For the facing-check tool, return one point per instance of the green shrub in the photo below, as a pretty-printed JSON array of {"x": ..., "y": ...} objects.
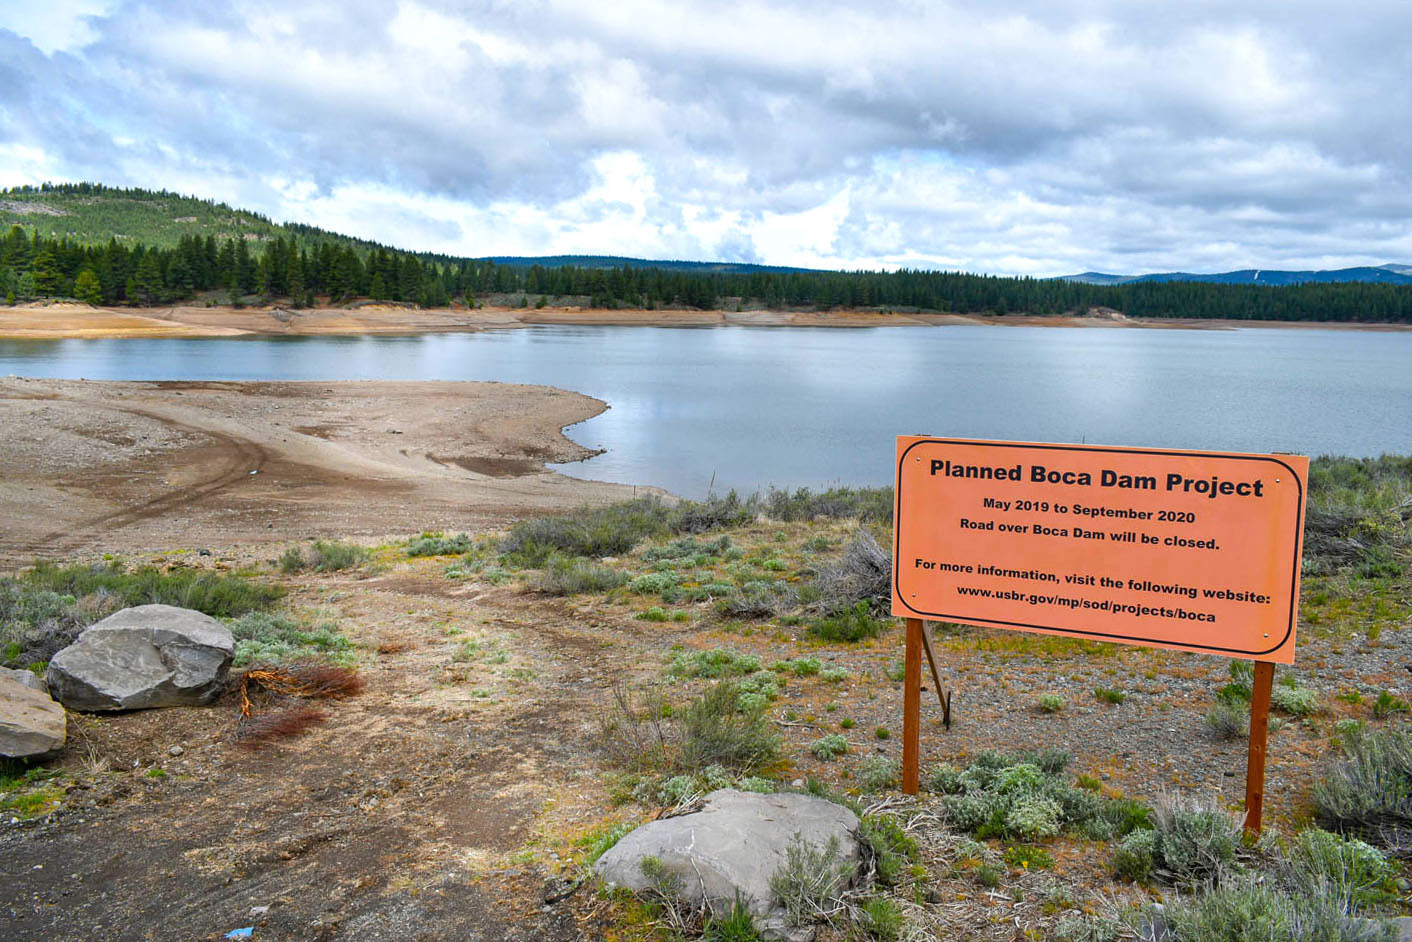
[
  {"x": 1027, "y": 857},
  {"x": 1032, "y": 817},
  {"x": 603, "y": 531},
  {"x": 222, "y": 595},
  {"x": 1050, "y": 703},
  {"x": 944, "y": 779},
  {"x": 1196, "y": 846},
  {"x": 601, "y": 840},
  {"x": 1297, "y": 701},
  {"x": 892, "y": 848},
  {"x": 1386, "y": 704},
  {"x": 758, "y": 598},
  {"x": 266, "y": 638},
  {"x": 879, "y": 773},
  {"x": 1369, "y": 791},
  {"x": 1228, "y": 719},
  {"x": 1023, "y": 797},
  {"x": 1051, "y": 761},
  {"x": 1249, "y": 910},
  {"x": 717, "y": 662},
  {"x": 708, "y": 592},
  {"x": 986, "y": 875},
  {"x": 575, "y": 576},
  {"x": 654, "y": 583},
  {"x": 323, "y": 556},
  {"x": 800, "y": 666},
  {"x": 1136, "y": 857},
  {"x": 854, "y": 624},
  {"x": 829, "y": 746},
  {"x": 617, "y": 528},
  {"x": 437, "y": 544},
  {"x": 1075, "y": 927},
  {"x": 868, "y": 504},
  {"x": 881, "y": 919},
  {"x": 738, "y": 925},
  {"x": 1125, "y": 815},
  {"x": 655, "y": 613},
  {"x": 716, "y": 731},
  {"x": 1356, "y": 873},
  {"x": 833, "y": 675},
  {"x": 758, "y": 690},
  {"x": 698, "y": 552},
  {"x": 1108, "y": 695},
  {"x": 810, "y": 880}
]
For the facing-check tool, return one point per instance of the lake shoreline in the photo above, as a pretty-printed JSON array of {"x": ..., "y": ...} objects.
[
  {"x": 71, "y": 320},
  {"x": 122, "y": 466}
]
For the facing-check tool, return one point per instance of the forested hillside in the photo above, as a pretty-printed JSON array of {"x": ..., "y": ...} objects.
[{"x": 107, "y": 246}]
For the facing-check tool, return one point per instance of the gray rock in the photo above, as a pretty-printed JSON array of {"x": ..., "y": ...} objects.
[
  {"x": 148, "y": 656},
  {"x": 731, "y": 848},
  {"x": 31, "y": 723},
  {"x": 1403, "y": 925},
  {"x": 29, "y": 678}
]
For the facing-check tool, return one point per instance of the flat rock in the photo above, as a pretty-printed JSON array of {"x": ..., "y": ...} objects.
[
  {"x": 31, "y": 723},
  {"x": 147, "y": 656},
  {"x": 731, "y": 848},
  {"x": 29, "y": 678}
]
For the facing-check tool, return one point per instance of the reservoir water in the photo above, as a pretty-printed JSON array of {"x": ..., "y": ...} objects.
[{"x": 746, "y": 408}]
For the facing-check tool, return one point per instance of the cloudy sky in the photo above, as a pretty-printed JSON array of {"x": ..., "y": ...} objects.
[{"x": 997, "y": 136}]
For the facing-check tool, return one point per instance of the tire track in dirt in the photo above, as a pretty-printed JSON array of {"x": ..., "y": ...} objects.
[{"x": 237, "y": 457}]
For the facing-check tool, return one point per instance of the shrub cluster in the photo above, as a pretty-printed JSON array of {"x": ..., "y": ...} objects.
[
  {"x": 263, "y": 637},
  {"x": 617, "y": 528},
  {"x": 43, "y": 609},
  {"x": 867, "y": 504},
  {"x": 717, "y": 662},
  {"x": 564, "y": 575},
  {"x": 222, "y": 595},
  {"x": 438, "y": 544},
  {"x": 1190, "y": 846},
  {"x": 1026, "y": 797},
  {"x": 1369, "y": 791},
  {"x": 323, "y": 556},
  {"x": 725, "y": 726},
  {"x": 850, "y": 625}
]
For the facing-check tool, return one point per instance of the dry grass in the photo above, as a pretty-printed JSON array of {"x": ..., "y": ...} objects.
[{"x": 255, "y": 733}]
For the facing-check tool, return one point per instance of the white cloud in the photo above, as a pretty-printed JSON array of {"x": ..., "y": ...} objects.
[{"x": 994, "y": 136}]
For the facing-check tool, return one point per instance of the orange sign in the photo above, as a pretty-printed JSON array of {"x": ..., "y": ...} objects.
[{"x": 1198, "y": 551}]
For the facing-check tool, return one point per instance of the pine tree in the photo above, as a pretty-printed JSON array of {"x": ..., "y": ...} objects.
[{"x": 87, "y": 288}]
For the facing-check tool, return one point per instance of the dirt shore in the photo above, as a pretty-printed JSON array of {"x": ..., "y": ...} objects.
[
  {"x": 92, "y": 467},
  {"x": 61, "y": 320}
]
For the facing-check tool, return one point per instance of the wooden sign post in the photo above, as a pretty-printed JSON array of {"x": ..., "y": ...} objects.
[{"x": 1192, "y": 551}]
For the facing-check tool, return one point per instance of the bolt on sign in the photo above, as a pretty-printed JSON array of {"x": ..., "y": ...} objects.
[
  {"x": 1190, "y": 550},
  {"x": 1197, "y": 551}
]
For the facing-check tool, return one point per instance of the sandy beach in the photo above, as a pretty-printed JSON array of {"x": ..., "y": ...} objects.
[
  {"x": 62, "y": 320},
  {"x": 92, "y": 467}
]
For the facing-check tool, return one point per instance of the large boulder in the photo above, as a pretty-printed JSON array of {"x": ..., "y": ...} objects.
[
  {"x": 31, "y": 723},
  {"x": 29, "y": 678},
  {"x": 147, "y": 656},
  {"x": 731, "y": 848}
]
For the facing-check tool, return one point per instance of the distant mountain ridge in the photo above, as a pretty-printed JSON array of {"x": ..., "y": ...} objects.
[{"x": 1383, "y": 274}]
